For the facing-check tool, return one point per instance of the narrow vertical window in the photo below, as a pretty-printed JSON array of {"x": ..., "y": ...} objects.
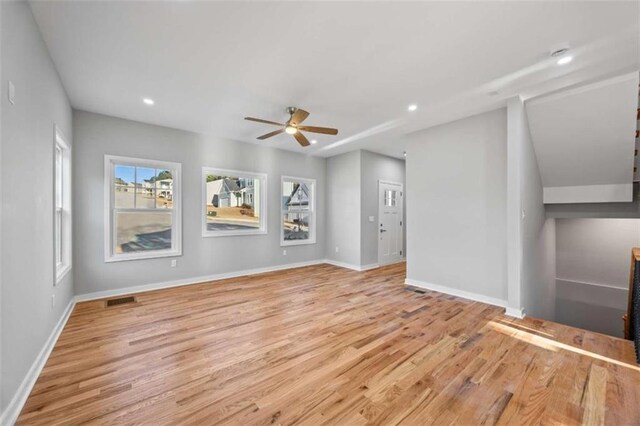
[
  {"x": 298, "y": 211},
  {"x": 62, "y": 206}
]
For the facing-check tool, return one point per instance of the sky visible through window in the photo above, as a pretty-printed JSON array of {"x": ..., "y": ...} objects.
[{"x": 127, "y": 173}]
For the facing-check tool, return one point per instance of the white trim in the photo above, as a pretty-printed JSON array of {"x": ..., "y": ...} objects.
[
  {"x": 312, "y": 212},
  {"x": 176, "y": 250},
  {"x": 194, "y": 280},
  {"x": 516, "y": 128},
  {"x": 513, "y": 312},
  {"x": 351, "y": 266},
  {"x": 616, "y": 193},
  {"x": 62, "y": 273},
  {"x": 10, "y": 415},
  {"x": 604, "y": 295},
  {"x": 262, "y": 230},
  {"x": 370, "y": 266},
  {"x": 66, "y": 219},
  {"x": 607, "y": 286},
  {"x": 456, "y": 292}
]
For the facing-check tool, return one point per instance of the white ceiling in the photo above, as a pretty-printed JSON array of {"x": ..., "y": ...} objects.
[
  {"x": 354, "y": 65},
  {"x": 585, "y": 137}
]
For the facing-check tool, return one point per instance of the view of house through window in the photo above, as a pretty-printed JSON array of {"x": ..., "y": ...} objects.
[
  {"x": 233, "y": 202},
  {"x": 143, "y": 208},
  {"x": 297, "y": 211}
]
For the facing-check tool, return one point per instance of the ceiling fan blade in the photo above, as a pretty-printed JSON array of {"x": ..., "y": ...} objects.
[
  {"x": 323, "y": 130},
  {"x": 299, "y": 116},
  {"x": 259, "y": 120},
  {"x": 302, "y": 140},
  {"x": 268, "y": 135}
]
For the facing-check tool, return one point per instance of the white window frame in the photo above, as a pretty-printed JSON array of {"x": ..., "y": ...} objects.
[
  {"x": 262, "y": 230},
  {"x": 109, "y": 219},
  {"x": 62, "y": 232},
  {"x": 312, "y": 211}
]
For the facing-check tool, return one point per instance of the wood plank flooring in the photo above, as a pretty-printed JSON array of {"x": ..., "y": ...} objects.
[{"x": 325, "y": 345}]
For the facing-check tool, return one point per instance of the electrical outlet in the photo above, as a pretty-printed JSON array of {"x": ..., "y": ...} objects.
[
  {"x": 174, "y": 263},
  {"x": 337, "y": 249},
  {"x": 284, "y": 252}
]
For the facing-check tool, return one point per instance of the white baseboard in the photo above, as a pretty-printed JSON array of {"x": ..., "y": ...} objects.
[
  {"x": 369, "y": 267},
  {"x": 188, "y": 281},
  {"x": 514, "y": 312},
  {"x": 351, "y": 266},
  {"x": 456, "y": 292},
  {"x": 12, "y": 412}
]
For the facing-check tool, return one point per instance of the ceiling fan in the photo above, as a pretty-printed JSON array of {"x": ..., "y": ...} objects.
[{"x": 293, "y": 127}]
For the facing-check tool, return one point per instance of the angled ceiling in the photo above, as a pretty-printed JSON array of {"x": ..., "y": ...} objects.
[
  {"x": 584, "y": 140},
  {"x": 354, "y": 65}
]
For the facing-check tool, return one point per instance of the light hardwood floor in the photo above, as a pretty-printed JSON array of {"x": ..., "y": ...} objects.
[{"x": 325, "y": 345}]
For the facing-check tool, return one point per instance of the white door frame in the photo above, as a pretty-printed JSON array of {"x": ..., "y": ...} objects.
[{"x": 379, "y": 222}]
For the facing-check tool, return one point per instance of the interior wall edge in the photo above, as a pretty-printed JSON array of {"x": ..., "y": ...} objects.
[{"x": 10, "y": 415}]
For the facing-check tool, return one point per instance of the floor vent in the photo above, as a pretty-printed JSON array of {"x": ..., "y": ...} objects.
[
  {"x": 120, "y": 301},
  {"x": 416, "y": 290}
]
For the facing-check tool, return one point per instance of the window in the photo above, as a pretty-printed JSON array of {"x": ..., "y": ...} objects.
[
  {"x": 390, "y": 198},
  {"x": 62, "y": 206},
  {"x": 234, "y": 203},
  {"x": 143, "y": 204},
  {"x": 298, "y": 211}
]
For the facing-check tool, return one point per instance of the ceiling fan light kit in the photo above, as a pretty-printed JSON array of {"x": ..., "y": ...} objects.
[{"x": 293, "y": 127}]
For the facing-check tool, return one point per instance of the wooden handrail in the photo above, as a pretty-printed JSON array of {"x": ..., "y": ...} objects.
[{"x": 635, "y": 260}]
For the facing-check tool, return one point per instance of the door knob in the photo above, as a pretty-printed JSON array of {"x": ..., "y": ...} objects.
[{"x": 383, "y": 230}]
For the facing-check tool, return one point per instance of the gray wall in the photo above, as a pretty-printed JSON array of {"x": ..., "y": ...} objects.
[
  {"x": 97, "y": 135},
  {"x": 343, "y": 208},
  {"x": 375, "y": 167},
  {"x": 27, "y": 270},
  {"x": 538, "y": 283},
  {"x": 593, "y": 258},
  {"x": 456, "y": 209}
]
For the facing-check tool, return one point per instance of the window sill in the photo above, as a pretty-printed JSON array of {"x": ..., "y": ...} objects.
[
  {"x": 216, "y": 234},
  {"x": 137, "y": 256},
  {"x": 297, "y": 242},
  {"x": 62, "y": 273}
]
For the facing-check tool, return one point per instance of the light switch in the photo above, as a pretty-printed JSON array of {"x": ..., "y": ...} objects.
[{"x": 371, "y": 218}]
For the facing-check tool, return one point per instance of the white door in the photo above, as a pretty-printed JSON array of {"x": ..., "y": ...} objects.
[{"x": 389, "y": 222}]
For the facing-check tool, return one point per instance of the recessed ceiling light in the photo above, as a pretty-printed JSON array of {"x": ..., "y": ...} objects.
[
  {"x": 565, "y": 60},
  {"x": 290, "y": 129},
  {"x": 148, "y": 101},
  {"x": 412, "y": 107},
  {"x": 314, "y": 141}
]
